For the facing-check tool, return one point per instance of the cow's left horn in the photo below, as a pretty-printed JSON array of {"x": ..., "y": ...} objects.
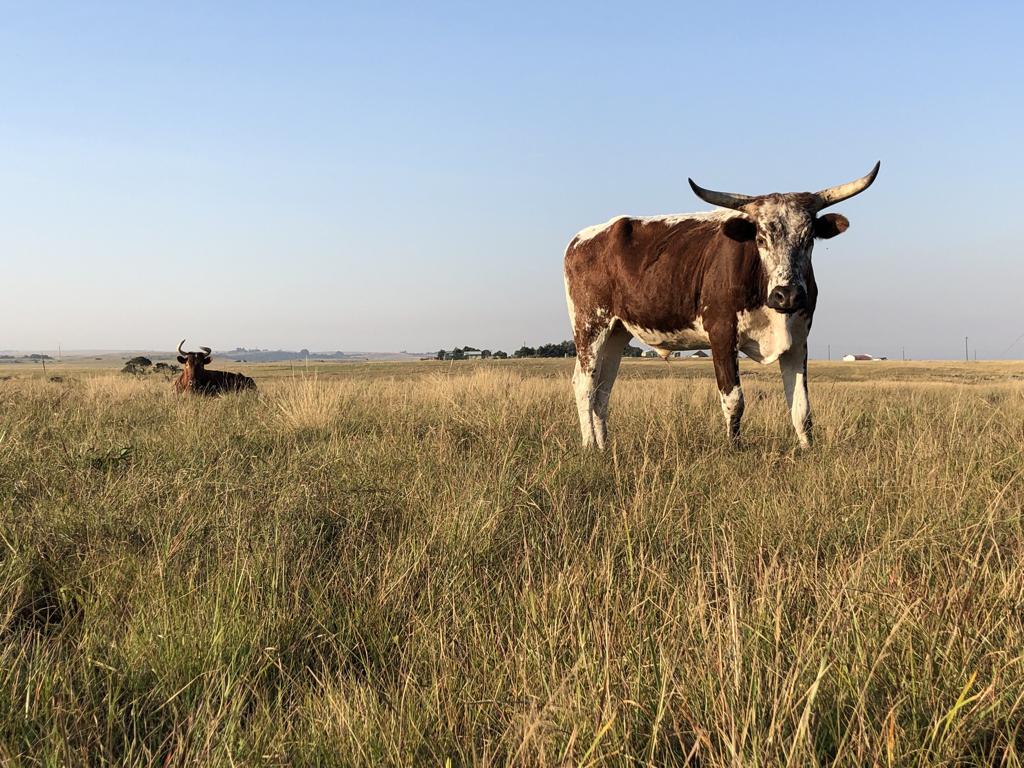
[
  {"x": 180, "y": 345},
  {"x": 207, "y": 350},
  {"x": 834, "y": 195},
  {"x": 724, "y": 199}
]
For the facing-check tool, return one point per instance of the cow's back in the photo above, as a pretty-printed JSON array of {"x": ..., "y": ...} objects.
[{"x": 226, "y": 381}]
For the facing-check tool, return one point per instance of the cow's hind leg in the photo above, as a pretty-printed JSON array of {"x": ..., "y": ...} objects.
[
  {"x": 609, "y": 359},
  {"x": 584, "y": 384},
  {"x": 597, "y": 364},
  {"x": 585, "y": 381}
]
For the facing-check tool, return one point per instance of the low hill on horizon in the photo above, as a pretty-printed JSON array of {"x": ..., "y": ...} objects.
[{"x": 238, "y": 353}]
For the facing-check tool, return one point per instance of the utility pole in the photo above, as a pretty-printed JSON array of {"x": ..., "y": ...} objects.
[
  {"x": 966, "y": 356},
  {"x": 903, "y": 353},
  {"x": 829, "y": 351}
]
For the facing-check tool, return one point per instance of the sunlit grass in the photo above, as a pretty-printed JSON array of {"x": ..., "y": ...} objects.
[
  {"x": 307, "y": 403},
  {"x": 409, "y": 565}
]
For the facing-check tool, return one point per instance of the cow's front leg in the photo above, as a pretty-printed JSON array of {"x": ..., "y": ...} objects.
[
  {"x": 730, "y": 394},
  {"x": 793, "y": 365}
]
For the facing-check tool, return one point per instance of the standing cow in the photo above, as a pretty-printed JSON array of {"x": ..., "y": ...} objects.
[
  {"x": 195, "y": 378},
  {"x": 737, "y": 278}
]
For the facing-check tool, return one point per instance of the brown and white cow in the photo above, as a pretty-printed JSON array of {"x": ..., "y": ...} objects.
[
  {"x": 195, "y": 378},
  {"x": 734, "y": 279}
]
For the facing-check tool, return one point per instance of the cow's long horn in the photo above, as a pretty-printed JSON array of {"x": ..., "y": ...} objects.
[
  {"x": 834, "y": 195},
  {"x": 207, "y": 350},
  {"x": 724, "y": 199},
  {"x": 180, "y": 345}
]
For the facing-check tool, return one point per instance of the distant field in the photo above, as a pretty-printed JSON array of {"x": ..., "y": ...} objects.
[
  {"x": 411, "y": 563},
  {"x": 888, "y": 370}
]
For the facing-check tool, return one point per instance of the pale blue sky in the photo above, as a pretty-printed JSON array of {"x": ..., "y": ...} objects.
[{"x": 382, "y": 176}]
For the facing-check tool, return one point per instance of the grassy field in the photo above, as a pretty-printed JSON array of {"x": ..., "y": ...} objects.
[{"x": 415, "y": 563}]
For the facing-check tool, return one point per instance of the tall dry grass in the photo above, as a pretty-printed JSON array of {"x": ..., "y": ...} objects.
[{"x": 422, "y": 568}]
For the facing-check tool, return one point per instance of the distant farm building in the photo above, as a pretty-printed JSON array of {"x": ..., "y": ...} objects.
[
  {"x": 861, "y": 358},
  {"x": 677, "y": 355},
  {"x": 700, "y": 354}
]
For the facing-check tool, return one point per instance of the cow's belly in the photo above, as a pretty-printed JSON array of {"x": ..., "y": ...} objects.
[
  {"x": 764, "y": 334},
  {"x": 694, "y": 337}
]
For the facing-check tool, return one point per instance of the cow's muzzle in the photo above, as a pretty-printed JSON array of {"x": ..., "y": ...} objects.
[{"x": 787, "y": 298}]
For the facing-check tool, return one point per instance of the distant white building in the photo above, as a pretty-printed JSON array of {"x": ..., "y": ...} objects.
[
  {"x": 472, "y": 354},
  {"x": 679, "y": 355},
  {"x": 861, "y": 358}
]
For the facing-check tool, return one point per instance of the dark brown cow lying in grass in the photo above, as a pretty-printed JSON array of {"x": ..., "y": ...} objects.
[{"x": 195, "y": 378}]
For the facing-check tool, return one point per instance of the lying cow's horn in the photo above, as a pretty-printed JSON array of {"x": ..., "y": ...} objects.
[
  {"x": 834, "y": 195},
  {"x": 207, "y": 350},
  {"x": 180, "y": 345},
  {"x": 724, "y": 199}
]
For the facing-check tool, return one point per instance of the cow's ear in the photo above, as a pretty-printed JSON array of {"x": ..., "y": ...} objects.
[
  {"x": 739, "y": 228},
  {"x": 206, "y": 361},
  {"x": 181, "y": 359},
  {"x": 830, "y": 225}
]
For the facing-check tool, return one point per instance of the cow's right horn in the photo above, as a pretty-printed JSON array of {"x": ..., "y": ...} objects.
[
  {"x": 723, "y": 199},
  {"x": 180, "y": 345}
]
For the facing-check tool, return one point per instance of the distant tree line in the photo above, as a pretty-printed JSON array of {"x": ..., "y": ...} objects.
[
  {"x": 34, "y": 356},
  {"x": 560, "y": 349},
  {"x": 140, "y": 366},
  {"x": 463, "y": 353}
]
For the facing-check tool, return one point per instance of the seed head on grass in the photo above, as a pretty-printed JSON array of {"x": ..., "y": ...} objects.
[{"x": 307, "y": 402}]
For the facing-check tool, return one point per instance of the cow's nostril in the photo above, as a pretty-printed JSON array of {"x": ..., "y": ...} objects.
[{"x": 787, "y": 298}]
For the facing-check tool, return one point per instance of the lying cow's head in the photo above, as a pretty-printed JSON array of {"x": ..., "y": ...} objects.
[
  {"x": 784, "y": 227},
  {"x": 193, "y": 361}
]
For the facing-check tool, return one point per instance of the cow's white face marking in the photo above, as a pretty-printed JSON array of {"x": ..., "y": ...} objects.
[{"x": 785, "y": 239}]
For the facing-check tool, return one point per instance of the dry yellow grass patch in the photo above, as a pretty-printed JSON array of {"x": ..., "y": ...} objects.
[{"x": 413, "y": 565}]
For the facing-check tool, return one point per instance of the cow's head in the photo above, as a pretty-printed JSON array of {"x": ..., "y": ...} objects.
[
  {"x": 784, "y": 227},
  {"x": 193, "y": 361}
]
